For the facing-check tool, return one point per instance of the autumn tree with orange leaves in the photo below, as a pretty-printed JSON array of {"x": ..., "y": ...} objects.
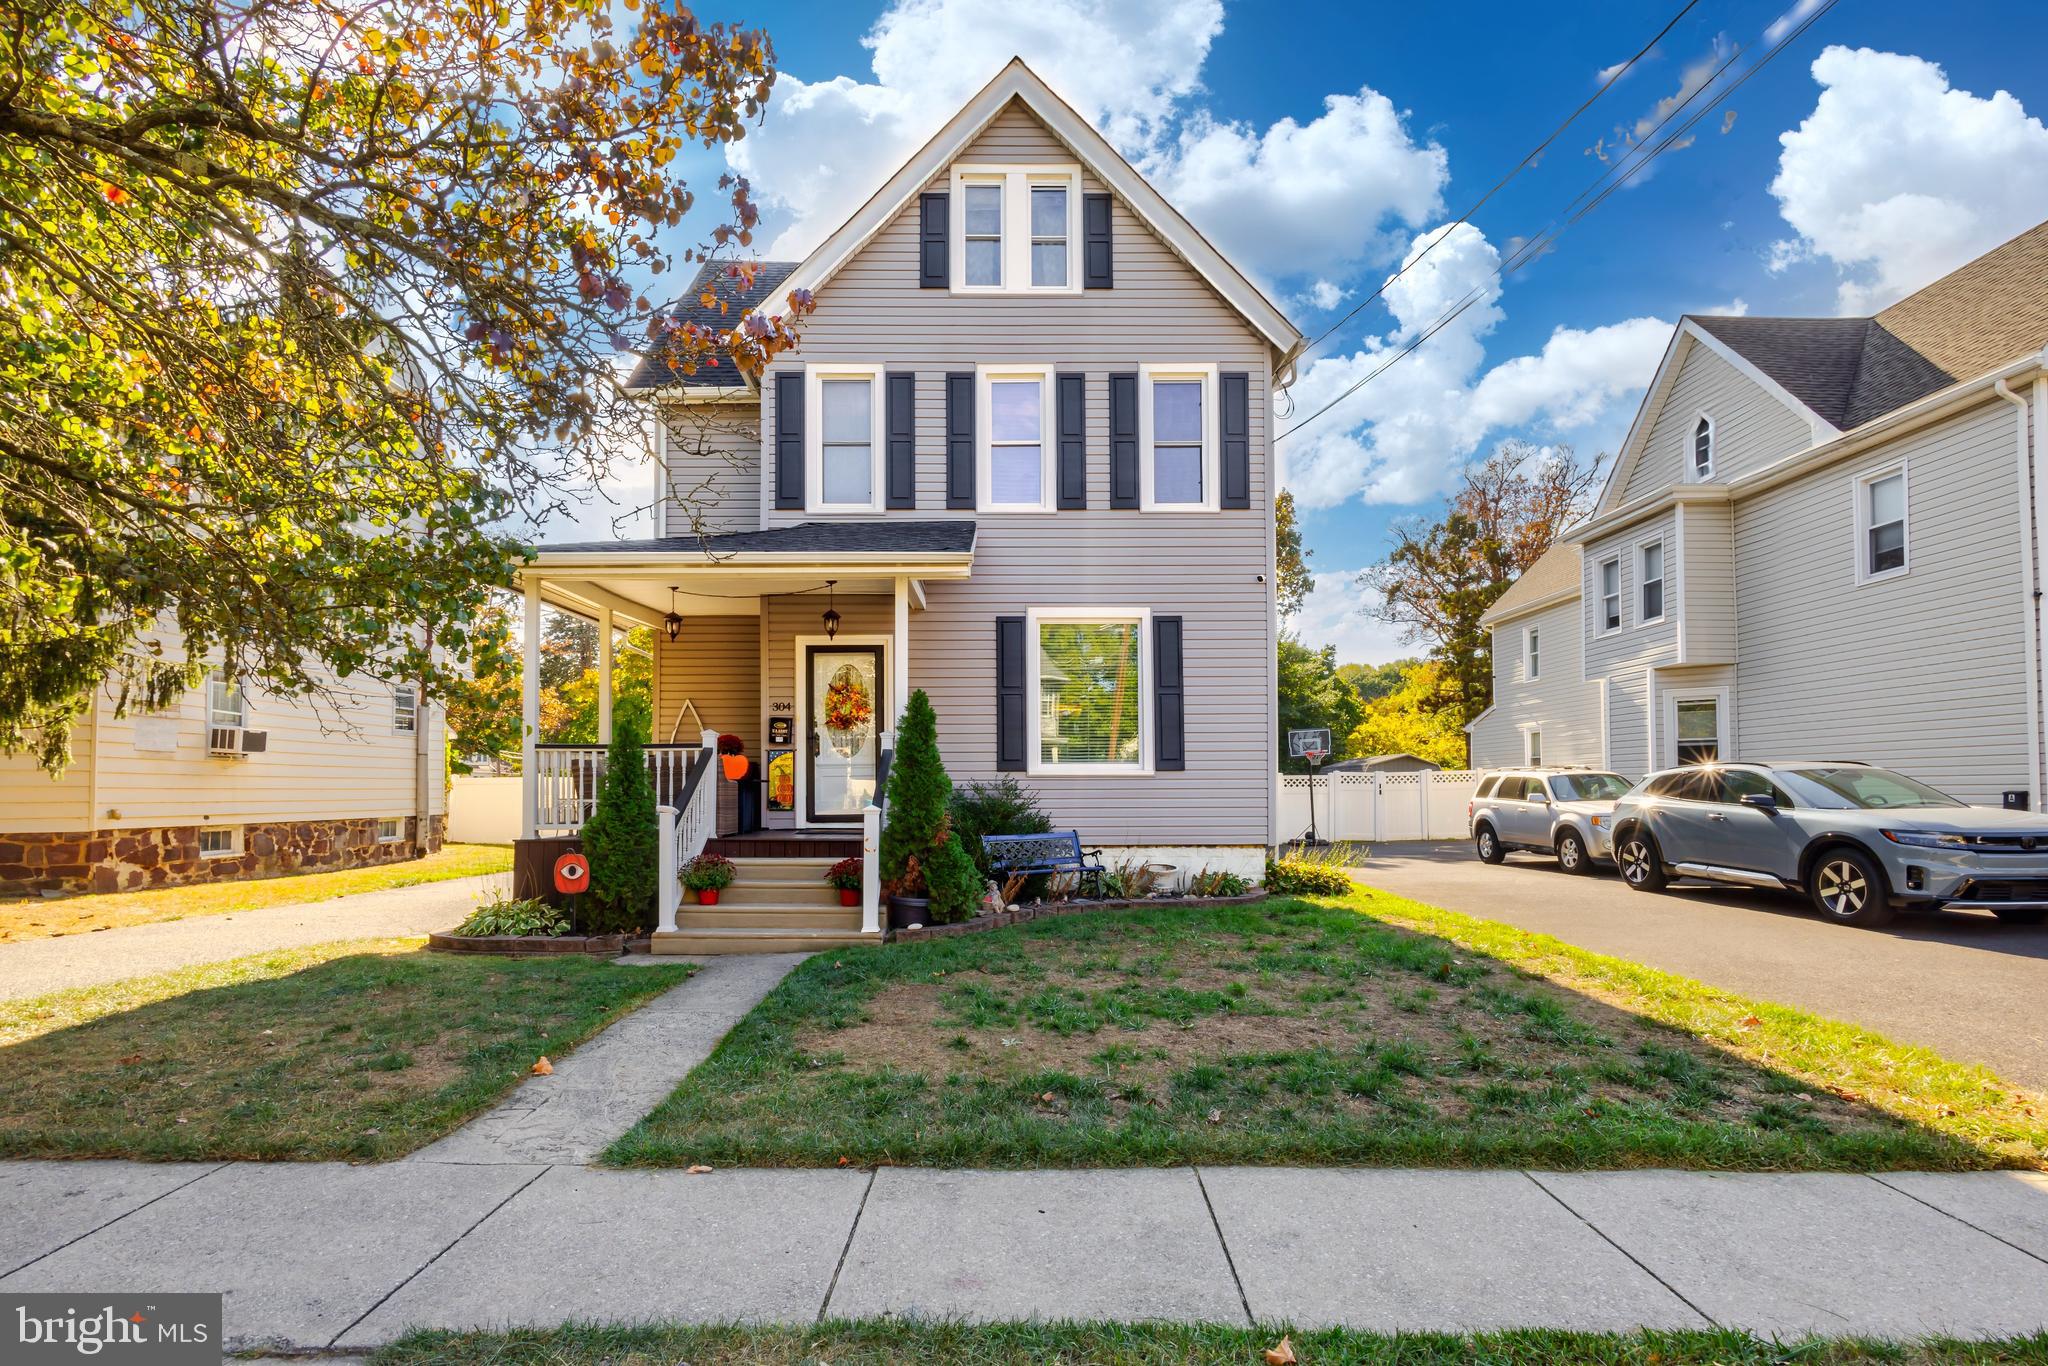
[{"x": 306, "y": 299}]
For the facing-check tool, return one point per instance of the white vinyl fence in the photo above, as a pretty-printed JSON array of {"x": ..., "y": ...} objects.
[
  {"x": 1370, "y": 807},
  {"x": 483, "y": 808}
]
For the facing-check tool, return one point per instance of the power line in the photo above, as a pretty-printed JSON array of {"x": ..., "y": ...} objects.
[
  {"x": 1520, "y": 166},
  {"x": 1534, "y": 246}
]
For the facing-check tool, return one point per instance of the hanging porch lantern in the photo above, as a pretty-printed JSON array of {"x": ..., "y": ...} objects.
[
  {"x": 831, "y": 613},
  {"x": 672, "y": 624}
]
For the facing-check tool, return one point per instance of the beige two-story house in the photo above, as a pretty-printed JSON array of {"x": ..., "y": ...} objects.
[
  {"x": 1020, "y": 460},
  {"x": 1821, "y": 539}
]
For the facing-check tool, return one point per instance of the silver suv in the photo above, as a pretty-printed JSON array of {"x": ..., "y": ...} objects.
[
  {"x": 1862, "y": 842},
  {"x": 1561, "y": 811}
]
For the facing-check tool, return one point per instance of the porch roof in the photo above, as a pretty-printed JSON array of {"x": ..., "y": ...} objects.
[{"x": 954, "y": 536}]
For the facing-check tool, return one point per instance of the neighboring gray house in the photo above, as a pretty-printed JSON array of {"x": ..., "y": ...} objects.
[
  {"x": 1545, "y": 710},
  {"x": 1021, "y": 458},
  {"x": 1822, "y": 539}
]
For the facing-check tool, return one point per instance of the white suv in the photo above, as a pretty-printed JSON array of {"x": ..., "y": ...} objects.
[{"x": 1568, "y": 812}]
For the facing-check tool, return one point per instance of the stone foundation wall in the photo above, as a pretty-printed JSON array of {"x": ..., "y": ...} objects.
[{"x": 168, "y": 856}]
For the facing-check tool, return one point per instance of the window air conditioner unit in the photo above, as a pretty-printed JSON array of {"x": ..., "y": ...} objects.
[{"x": 233, "y": 740}]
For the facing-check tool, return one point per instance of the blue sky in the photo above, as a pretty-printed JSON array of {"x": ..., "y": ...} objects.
[{"x": 1318, "y": 142}]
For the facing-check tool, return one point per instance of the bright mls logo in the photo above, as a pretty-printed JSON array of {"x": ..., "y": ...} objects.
[{"x": 163, "y": 1330}]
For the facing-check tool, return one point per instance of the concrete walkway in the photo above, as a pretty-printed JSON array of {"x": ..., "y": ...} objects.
[
  {"x": 325, "y": 1256},
  {"x": 35, "y": 966},
  {"x": 608, "y": 1083}
]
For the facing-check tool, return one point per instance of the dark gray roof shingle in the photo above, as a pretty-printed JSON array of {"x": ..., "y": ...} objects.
[
  {"x": 1814, "y": 358},
  {"x": 731, "y": 302},
  {"x": 952, "y": 537}
]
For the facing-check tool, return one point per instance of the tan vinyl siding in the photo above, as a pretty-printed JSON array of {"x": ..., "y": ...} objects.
[
  {"x": 1205, "y": 567},
  {"x": 1561, "y": 702},
  {"x": 1751, "y": 428},
  {"x": 1923, "y": 673},
  {"x": 1706, "y": 566},
  {"x": 1624, "y": 657},
  {"x": 712, "y": 456},
  {"x": 716, "y": 666},
  {"x": 31, "y": 801}
]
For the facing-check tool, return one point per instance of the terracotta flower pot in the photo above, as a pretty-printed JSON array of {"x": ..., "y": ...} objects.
[
  {"x": 735, "y": 766},
  {"x": 707, "y": 896},
  {"x": 849, "y": 896}
]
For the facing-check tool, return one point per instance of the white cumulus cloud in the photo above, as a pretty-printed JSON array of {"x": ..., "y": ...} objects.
[
  {"x": 1335, "y": 615},
  {"x": 1897, "y": 178}
]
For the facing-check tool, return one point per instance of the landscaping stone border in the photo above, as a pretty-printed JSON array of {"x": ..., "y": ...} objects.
[
  {"x": 1024, "y": 915},
  {"x": 538, "y": 945}
]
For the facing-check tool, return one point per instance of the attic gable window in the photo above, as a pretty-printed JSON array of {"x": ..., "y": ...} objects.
[
  {"x": 1703, "y": 449},
  {"x": 1014, "y": 228}
]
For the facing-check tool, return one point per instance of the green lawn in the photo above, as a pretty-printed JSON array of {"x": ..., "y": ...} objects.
[
  {"x": 360, "y": 1051},
  {"x": 1364, "y": 1030},
  {"x": 891, "y": 1342},
  {"x": 47, "y": 917}
]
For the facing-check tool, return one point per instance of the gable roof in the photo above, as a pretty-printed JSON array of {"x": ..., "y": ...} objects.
[
  {"x": 733, "y": 297},
  {"x": 1016, "y": 81},
  {"x": 1553, "y": 578}
]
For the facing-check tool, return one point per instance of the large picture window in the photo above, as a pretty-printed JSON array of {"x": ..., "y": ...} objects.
[
  {"x": 1092, "y": 682},
  {"x": 1016, "y": 413},
  {"x": 843, "y": 437},
  {"x": 1177, "y": 437}
]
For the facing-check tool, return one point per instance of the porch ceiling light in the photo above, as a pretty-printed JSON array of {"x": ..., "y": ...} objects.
[
  {"x": 831, "y": 613},
  {"x": 672, "y": 624}
]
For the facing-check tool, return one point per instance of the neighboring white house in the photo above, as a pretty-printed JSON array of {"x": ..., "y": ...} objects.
[
  {"x": 227, "y": 782},
  {"x": 1821, "y": 539}
]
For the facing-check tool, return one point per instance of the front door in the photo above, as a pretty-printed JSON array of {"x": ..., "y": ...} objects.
[{"x": 845, "y": 705}]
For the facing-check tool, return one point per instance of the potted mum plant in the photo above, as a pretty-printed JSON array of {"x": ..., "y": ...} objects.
[
  {"x": 708, "y": 875},
  {"x": 732, "y": 757},
  {"x": 845, "y": 875}
]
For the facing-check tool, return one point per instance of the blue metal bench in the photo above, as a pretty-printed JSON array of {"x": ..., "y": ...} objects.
[{"x": 1056, "y": 852}]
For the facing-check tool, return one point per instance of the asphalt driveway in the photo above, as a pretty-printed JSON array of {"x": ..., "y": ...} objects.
[{"x": 1965, "y": 984}]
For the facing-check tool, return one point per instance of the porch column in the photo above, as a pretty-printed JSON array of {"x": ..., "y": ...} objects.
[
  {"x": 529, "y": 710},
  {"x": 604, "y": 676},
  {"x": 899, "y": 672}
]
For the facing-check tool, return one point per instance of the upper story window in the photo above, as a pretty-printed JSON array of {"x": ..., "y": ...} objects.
[
  {"x": 1015, "y": 227},
  {"x": 1177, "y": 440},
  {"x": 1881, "y": 524},
  {"x": 1652, "y": 580},
  {"x": 1703, "y": 448},
  {"x": 1016, "y": 408},
  {"x": 405, "y": 710},
  {"x": 1532, "y": 653},
  {"x": 224, "y": 706},
  {"x": 843, "y": 438},
  {"x": 1610, "y": 594}
]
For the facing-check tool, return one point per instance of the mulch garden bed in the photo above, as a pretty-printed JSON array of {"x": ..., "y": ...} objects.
[{"x": 1024, "y": 915}]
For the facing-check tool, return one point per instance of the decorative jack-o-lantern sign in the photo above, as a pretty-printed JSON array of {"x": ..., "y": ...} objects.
[{"x": 572, "y": 874}]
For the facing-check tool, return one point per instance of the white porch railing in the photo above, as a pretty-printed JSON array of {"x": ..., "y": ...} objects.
[
  {"x": 567, "y": 777},
  {"x": 685, "y": 830}
]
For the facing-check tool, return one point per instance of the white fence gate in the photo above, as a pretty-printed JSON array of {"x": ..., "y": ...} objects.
[{"x": 1378, "y": 806}]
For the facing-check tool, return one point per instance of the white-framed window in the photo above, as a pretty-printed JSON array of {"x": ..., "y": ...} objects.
[
  {"x": 1532, "y": 746},
  {"x": 1610, "y": 594},
  {"x": 1703, "y": 448},
  {"x": 1532, "y": 653},
  {"x": 390, "y": 829},
  {"x": 1178, "y": 443},
  {"x": 220, "y": 841},
  {"x": 1092, "y": 669},
  {"x": 843, "y": 438},
  {"x": 224, "y": 702},
  {"x": 405, "y": 709},
  {"x": 1650, "y": 583},
  {"x": 1698, "y": 727},
  {"x": 1881, "y": 549},
  {"x": 1014, "y": 228},
  {"x": 1013, "y": 434}
]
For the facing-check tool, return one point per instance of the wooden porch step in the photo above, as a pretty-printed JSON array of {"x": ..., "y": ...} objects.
[
  {"x": 789, "y": 844},
  {"x": 787, "y": 915},
  {"x": 756, "y": 940},
  {"x": 753, "y": 890}
]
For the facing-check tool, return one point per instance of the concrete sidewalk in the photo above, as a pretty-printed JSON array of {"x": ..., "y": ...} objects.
[
  {"x": 35, "y": 966},
  {"x": 322, "y": 1256}
]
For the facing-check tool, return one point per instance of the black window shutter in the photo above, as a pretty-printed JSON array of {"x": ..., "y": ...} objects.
[
  {"x": 1012, "y": 735},
  {"x": 900, "y": 425},
  {"x": 1096, "y": 270},
  {"x": 960, "y": 441},
  {"x": 789, "y": 441},
  {"x": 1072, "y": 420},
  {"x": 1123, "y": 441},
  {"x": 1169, "y": 696},
  {"x": 933, "y": 223},
  {"x": 1237, "y": 441}
]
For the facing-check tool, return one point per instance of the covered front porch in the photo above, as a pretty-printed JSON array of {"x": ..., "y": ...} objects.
[{"x": 794, "y": 645}]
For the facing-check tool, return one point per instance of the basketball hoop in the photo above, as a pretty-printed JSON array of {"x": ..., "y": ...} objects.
[{"x": 1315, "y": 756}]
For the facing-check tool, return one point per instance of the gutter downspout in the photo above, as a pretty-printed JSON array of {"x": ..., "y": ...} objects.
[{"x": 2030, "y": 588}]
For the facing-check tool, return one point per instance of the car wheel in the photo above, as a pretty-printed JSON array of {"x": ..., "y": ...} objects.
[
  {"x": 2020, "y": 915},
  {"x": 1488, "y": 844},
  {"x": 1571, "y": 853},
  {"x": 1642, "y": 866},
  {"x": 1848, "y": 889}
]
